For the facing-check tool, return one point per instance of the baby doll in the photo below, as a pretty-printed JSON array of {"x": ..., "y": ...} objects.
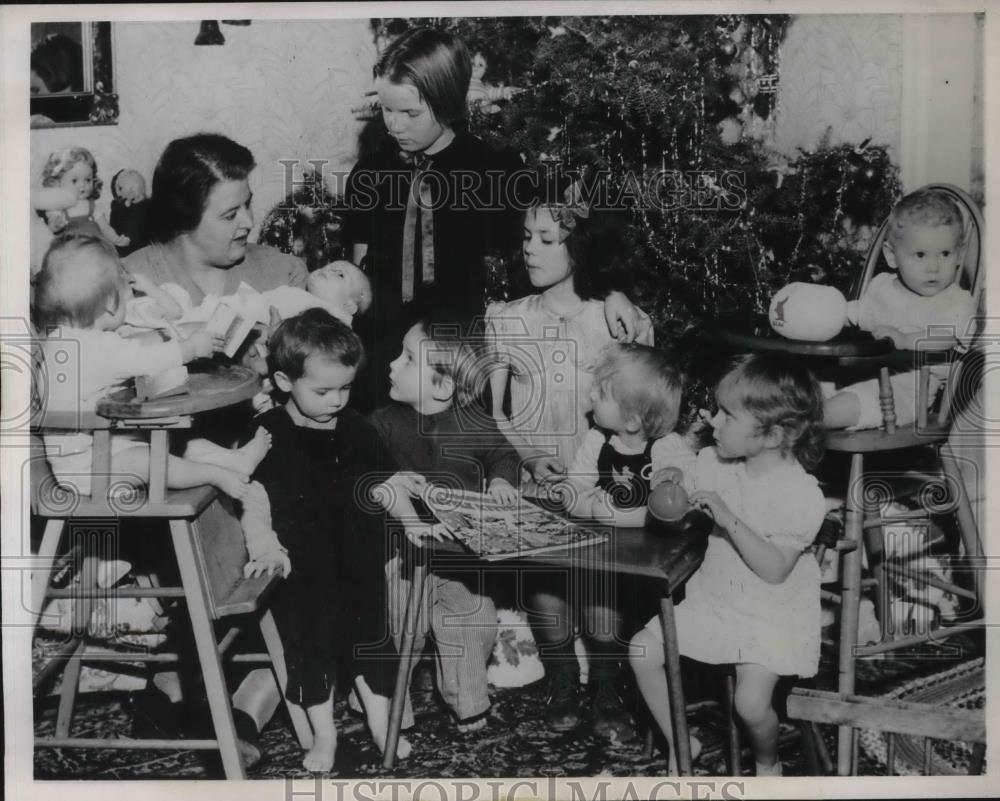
[
  {"x": 340, "y": 287},
  {"x": 483, "y": 94},
  {"x": 130, "y": 209},
  {"x": 74, "y": 169}
]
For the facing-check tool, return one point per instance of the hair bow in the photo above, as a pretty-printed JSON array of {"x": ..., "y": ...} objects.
[{"x": 574, "y": 207}]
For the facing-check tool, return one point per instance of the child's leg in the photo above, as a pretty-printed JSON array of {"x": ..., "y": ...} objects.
[
  {"x": 647, "y": 660},
  {"x": 602, "y": 625},
  {"x": 465, "y": 628},
  {"x": 377, "y": 714},
  {"x": 754, "y": 694},
  {"x": 553, "y": 628},
  {"x": 320, "y": 757},
  {"x": 841, "y": 410},
  {"x": 181, "y": 473},
  {"x": 243, "y": 460}
]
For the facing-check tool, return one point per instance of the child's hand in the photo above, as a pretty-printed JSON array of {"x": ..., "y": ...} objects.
[
  {"x": 201, "y": 345},
  {"x": 412, "y": 483},
  {"x": 545, "y": 468},
  {"x": 503, "y": 492},
  {"x": 122, "y": 241},
  {"x": 599, "y": 503},
  {"x": 419, "y": 533},
  {"x": 715, "y": 506},
  {"x": 268, "y": 563}
]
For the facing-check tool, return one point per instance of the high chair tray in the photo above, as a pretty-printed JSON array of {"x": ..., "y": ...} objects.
[{"x": 212, "y": 388}]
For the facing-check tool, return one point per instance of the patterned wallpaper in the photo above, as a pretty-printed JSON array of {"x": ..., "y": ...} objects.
[
  {"x": 282, "y": 89},
  {"x": 842, "y": 72}
]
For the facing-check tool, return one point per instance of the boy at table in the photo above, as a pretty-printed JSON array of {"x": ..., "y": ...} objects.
[
  {"x": 437, "y": 430},
  {"x": 911, "y": 305}
]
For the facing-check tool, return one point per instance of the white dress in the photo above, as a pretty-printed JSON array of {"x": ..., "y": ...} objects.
[
  {"x": 730, "y": 614},
  {"x": 551, "y": 359}
]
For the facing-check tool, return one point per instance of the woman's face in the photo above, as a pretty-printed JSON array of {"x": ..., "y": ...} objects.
[
  {"x": 408, "y": 118},
  {"x": 545, "y": 256},
  {"x": 221, "y": 236}
]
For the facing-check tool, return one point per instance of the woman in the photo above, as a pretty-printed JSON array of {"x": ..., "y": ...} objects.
[
  {"x": 200, "y": 219},
  {"x": 469, "y": 204}
]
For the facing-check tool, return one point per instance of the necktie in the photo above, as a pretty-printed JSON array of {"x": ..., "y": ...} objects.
[{"x": 419, "y": 212}]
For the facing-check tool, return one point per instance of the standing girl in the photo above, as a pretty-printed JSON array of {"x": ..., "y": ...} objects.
[
  {"x": 74, "y": 169},
  {"x": 431, "y": 200},
  {"x": 755, "y": 600},
  {"x": 547, "y": 345}
]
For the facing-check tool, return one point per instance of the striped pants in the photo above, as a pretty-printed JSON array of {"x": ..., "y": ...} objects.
[{"x": 464, "y": 624}]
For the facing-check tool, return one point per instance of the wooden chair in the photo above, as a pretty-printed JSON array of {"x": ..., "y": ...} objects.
[
  {"x": 207, "y": 541},
  {"x": 929, "y": 432},
  {"x": 900, "y": 722}
]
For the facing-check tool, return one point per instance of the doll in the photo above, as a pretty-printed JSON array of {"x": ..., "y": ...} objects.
[
  {"x": 74, "y": 169},
  {"x": 130, "y": 209},
  {"x": 485, "y": 95}
]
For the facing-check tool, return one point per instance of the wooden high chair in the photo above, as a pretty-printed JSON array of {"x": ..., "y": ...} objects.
[
  {"x": 930, "y": 430},
  {"x": 207, "y": 540}
]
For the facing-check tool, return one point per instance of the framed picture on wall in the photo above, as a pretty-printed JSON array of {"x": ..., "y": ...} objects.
[{"x": 72, "y": 75}]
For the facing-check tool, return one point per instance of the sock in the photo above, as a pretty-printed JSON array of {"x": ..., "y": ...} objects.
[{"x": 769, "y": 770}]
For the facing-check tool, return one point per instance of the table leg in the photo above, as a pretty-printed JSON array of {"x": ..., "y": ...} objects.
[
  {"x": 411, "y": 620},
  {"x": 678, "y": 709}
]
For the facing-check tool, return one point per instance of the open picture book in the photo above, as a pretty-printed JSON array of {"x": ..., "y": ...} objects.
[{"x": 495, "y": 532}]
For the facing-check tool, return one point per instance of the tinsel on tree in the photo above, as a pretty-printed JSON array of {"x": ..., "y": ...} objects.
[
  {"x": 674, "y": 111},
  {"x": 688, "y": 99}
]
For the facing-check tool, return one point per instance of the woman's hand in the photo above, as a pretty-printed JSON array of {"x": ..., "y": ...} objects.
[
  {"x": 412, "y": 483},
  {"x": 715, "y": 506},
  {"x": 503, "y": 492},
  {"x": 622, "y": 317},
  {"x": 201, "y": 345},
  {"x": 268, "y": 563}
]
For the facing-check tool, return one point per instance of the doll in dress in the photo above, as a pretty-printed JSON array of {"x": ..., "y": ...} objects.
[{"x": 74, "y": 169}]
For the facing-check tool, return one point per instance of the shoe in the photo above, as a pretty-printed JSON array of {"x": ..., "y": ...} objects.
[
  {"x": 610, "y": 718},
  {"x": 154, "y": 715},
  {"x": 562, "y": 707},
  {"x": 247, "y": 739}
]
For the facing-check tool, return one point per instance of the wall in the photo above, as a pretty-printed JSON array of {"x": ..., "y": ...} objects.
[
  {"x": 907, "y": 81},
  {"x": 282, "y": 89},
  {"x": 842, "y": 73}
]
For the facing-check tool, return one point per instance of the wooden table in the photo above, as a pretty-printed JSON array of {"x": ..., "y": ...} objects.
[
  {"x": 664, "y": 553},
  {"x": 754, "y": 334}
]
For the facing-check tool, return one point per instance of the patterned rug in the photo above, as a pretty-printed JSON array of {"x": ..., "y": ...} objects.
[{"x": 515, "y": 742}]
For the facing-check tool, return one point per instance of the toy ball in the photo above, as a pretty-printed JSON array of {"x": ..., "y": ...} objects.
[
  {"x": 668, "y": 502},
  {"x": 810, "y": 312}
]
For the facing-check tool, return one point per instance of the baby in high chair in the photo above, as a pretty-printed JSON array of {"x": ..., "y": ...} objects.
[
  {"x": 919, "y": 305},
  {"x": 79, "y": 306}
]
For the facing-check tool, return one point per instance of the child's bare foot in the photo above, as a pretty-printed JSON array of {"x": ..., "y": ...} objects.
[
  {"x": 235, "y": 485},
  {"x": 240, "y": 460},
  {"x": 376, "y": 708},
  {"x": 319, "y": 758},
  {"x": 253, "y": 453}
]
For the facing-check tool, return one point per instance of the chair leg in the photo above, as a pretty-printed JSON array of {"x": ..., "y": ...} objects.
[
  {"x": 733, "y": 731},
  {"x": 672, "y": 664},
  {"x": 42, "y": 574},
  {"x": 82, "y": 610},
  {"x": 272, "y": 640},
  {"x": 183, "y": 533},
  {"x": 967, "y": 527},
  {"x": 850, "y": 565},
  {"x": 411, "y": 622}
]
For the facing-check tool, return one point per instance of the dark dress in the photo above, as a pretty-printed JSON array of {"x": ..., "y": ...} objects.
[
  {"x": 474, "y": 215},
  {"x": 331, "y": 609}
]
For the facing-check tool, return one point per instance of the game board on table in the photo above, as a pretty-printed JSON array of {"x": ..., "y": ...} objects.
[{"x": 496, "y": 532}]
